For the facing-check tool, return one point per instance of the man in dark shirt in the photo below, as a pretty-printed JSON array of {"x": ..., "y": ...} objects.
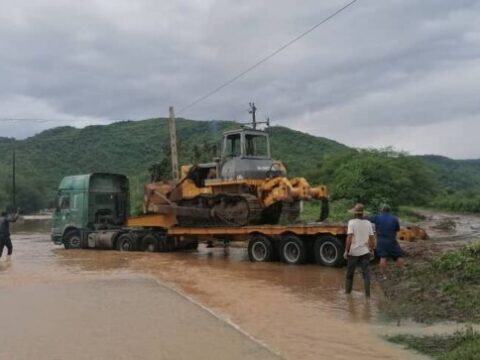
[
  {"x": 386, "y": 228},
  {"x": 5, "y": 240}
]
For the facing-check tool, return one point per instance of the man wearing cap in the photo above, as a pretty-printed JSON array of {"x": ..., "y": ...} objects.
[
  {"x": 359, "y": 248},
  {"x": 387, "y": 226}
]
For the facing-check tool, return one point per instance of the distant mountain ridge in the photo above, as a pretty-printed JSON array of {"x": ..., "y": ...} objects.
[{"x": 455, "y": 174}]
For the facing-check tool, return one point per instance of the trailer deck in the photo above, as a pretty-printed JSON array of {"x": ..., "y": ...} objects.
[
  {"x": 272, "y": 230},
  {"x": 293, "y": 244}
]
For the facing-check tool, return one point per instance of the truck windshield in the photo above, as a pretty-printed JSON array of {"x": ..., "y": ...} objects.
[{"x": 256, "y": 145}]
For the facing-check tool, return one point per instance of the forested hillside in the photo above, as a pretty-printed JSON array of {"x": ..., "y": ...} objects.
[
  {"x": 129, "y": 148},
  {"x": 133, "y": 147},
  {"x": 455, "y": 174}
]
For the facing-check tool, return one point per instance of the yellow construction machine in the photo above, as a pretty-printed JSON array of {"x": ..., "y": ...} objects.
[{"x": 245, "y": 186}]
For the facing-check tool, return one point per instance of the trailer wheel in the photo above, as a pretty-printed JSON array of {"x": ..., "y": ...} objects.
[
  {"x": 72, "y": 240},
  {"x": 293, "y": 250},
  {"x": 126, "y": 242},
  {"x": 260, "y": 248},
  {"x": 329, "y": 251},
  {"x": 150, "y": 243}
]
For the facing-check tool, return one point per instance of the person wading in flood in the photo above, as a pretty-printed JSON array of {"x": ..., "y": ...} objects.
[
  {"x": 5, "y": 240},
  {"x": 387, "y": 226},
  {"x": 359, "y": 248}
]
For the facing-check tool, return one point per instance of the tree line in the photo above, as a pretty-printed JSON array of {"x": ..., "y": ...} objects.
[{"x": 140, "y": 150}]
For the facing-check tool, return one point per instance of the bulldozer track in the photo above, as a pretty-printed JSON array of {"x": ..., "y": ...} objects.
[{"x": 222, "y": 215}]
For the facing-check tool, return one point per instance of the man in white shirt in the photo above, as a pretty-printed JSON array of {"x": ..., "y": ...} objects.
[{"x": 359, "y": 248}]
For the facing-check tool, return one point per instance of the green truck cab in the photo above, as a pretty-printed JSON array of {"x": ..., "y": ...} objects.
[{"x": 89, "y": 203}]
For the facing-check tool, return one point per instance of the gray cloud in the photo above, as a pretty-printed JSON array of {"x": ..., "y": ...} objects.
[{"x": 399, "y": 72}]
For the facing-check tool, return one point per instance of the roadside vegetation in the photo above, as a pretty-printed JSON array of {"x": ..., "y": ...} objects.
[
  {"x": 462, "y": 345},
  {"x": 461, "y": 201},
  {"x": 445, "y": 289}
]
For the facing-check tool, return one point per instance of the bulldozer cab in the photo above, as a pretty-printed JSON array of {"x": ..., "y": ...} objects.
[
  {"x": 245, "y": 155},
  {"x": 246, "y": 143}
]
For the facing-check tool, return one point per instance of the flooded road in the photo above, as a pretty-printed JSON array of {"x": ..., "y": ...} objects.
[{"x": 124, "y": 303}]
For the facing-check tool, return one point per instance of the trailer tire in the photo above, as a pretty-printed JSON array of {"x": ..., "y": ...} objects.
[
  {"x": 260, "y": 248},
  {"x": 72, "y": 240},
  {"x": 329, "y": 251},
  {"x": 126, "y": 242},
  {"x": 293, "y": 250},
  {"x": 150, "y": 243}
]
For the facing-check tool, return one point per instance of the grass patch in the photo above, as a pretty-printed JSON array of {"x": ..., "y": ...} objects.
[
  {"x": 462, "y": 345},
  {"x": 338, "y": 211},
  {"x": 448, "y": 288}
]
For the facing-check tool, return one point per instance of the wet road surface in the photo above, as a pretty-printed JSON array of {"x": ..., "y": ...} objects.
[
  {"x": 121, "y": 318},
  {"x": 300, "y": 312}
]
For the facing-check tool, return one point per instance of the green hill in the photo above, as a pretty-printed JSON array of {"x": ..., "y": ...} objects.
[
  {"x": 131, "y": 147},
  {"x": 455, "y": 175}
]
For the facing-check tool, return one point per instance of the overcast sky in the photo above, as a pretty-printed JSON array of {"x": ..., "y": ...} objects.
[{"x": 401, "y": 73}]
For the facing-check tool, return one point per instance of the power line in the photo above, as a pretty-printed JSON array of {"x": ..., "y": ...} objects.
[
  {"x": 42, "y": 120},
  {"x": 27, "y": 119},
  {"x": 266, "y": 58},
  {"x": 220, "y": 87}
]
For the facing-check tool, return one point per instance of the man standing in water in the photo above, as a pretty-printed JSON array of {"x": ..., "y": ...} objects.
[
  {"x": 358, "y": 249},
  {"x": 387, "y": 226},
  {"x": 5, "y": 240}
]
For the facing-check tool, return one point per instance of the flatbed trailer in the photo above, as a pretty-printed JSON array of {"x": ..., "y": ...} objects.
[{"x": 292, "y": 244}]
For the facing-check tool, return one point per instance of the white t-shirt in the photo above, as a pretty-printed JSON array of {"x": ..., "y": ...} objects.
[{"x": 361, "y": 229}]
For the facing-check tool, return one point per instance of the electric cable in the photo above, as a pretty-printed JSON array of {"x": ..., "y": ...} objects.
[
  {"x": 228, "y": 82},
  {"x": 266, "y": 58}
]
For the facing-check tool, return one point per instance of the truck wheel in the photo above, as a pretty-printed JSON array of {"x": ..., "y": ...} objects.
[
  {"x": 260, "y": 248},
  {"x": 150, "y": 243},
  {"x": 329, "y": 251},
  {"x": 126, "y": 242},
  {"x": 72, "y": 240},
  {"x": 293, "y": 250}
]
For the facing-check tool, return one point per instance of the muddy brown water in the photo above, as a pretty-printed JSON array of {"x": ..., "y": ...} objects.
[{"x": 123, "y": 306}]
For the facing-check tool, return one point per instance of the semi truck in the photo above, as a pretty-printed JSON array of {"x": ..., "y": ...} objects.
[{"x": 92, "y": 211}]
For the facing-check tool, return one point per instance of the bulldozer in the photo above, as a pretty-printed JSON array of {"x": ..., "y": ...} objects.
[{"x": 244, "y": 186}]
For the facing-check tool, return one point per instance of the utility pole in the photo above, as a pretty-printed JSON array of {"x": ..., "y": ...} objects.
[
  {"x": 173, "y": 144},
  {"x": 14, "y": 188},
  {"x": 253, "y": 110}
]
